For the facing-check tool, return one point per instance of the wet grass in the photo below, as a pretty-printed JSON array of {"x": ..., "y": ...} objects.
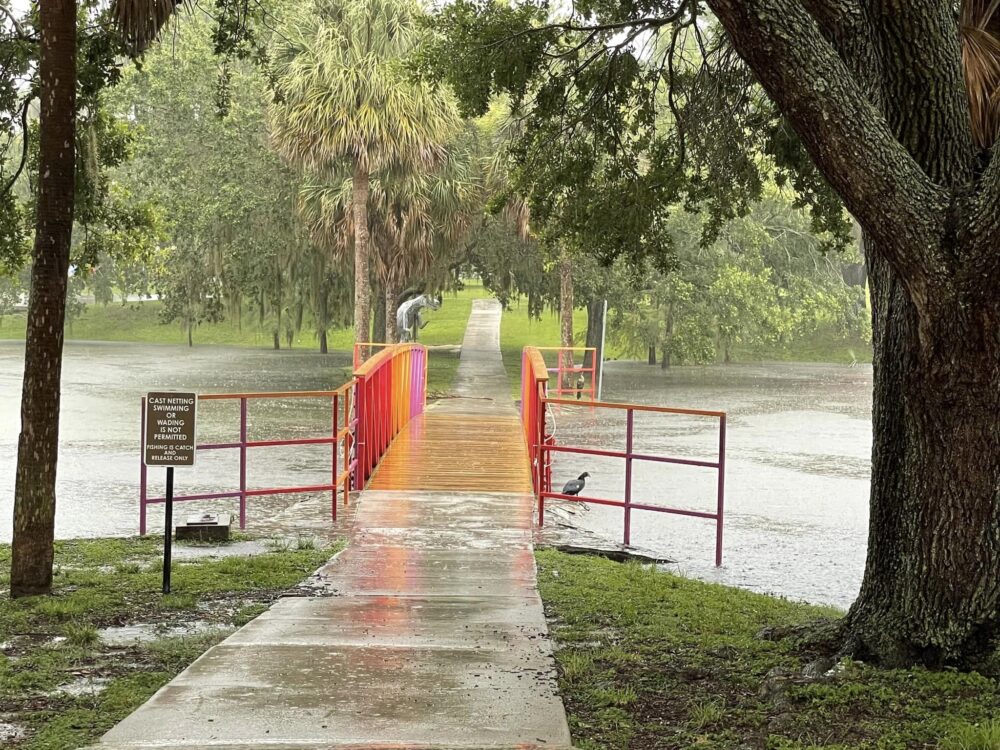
[
  {"x": 48, "y": 643},
  {"x": 652, "y": 661}
]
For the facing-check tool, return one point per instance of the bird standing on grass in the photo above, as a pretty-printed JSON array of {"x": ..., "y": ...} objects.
[{"x": 575, "y": 486}]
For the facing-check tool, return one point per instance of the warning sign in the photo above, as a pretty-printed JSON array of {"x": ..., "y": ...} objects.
[{"x": 170, "y": 429}]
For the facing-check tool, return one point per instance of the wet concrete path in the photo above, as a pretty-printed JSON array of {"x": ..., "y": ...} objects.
[{"x": 426, "y": 632}]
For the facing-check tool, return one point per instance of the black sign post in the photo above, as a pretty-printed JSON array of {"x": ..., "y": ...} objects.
[
  {"x": 170, "y": 441},
  {"x": 168, "y": 525}
]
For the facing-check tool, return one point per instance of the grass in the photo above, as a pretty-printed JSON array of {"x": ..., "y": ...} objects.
[
  {"x": 654, "y": 661},
  {"x": 47, "y": 643},
  {"x": 140, "y": 323},
  {"x": 826, "y": 345}
]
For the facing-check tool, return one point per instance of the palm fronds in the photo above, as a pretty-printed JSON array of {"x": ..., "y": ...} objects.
[
  {"x": 980, "y": 33},
  {"x": 141, "y": 21}
]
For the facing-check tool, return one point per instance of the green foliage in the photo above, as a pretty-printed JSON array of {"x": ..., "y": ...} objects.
[{"x": 630, "y": 113}]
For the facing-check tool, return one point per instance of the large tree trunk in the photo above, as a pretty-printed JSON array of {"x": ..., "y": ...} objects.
[
  {"x": 392, "y": 288},
  {"x": 323, "y": 346},
  {"x": 362, "y": 254},
  {"x": 378, "y": 315},
  {"x": 38, "y": 444},
  {"x": 931, "y": 593},
  {"x": 651, "y": 355},
  {"x": 566, "y": 314},
  {"x": 893, "y": 138},
  {"x": 595, "y": 327}
]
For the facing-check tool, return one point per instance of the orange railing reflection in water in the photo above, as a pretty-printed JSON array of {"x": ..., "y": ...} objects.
[
  {"x": 541, "y": 446},
  {"x": 367, "y": 412}
]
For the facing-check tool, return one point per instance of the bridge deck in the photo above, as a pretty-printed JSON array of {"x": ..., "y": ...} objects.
[
  {"x": 426, "y": 632},
  {"x": 441, "y": 450}
]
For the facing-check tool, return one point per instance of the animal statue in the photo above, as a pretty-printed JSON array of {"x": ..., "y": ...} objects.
[{"x": 408, "y": 317}]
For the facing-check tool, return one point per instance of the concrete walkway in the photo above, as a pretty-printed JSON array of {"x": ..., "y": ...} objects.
[{"x": 426, "y": 632}]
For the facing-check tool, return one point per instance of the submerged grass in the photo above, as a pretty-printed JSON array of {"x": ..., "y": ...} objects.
[
  {"x": 64, "y": 687},
  {"x": 653, "y": 661}
]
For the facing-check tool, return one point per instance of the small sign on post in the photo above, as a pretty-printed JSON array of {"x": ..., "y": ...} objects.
[{"x": 169, "y": 441}]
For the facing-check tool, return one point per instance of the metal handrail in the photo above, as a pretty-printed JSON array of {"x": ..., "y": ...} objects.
[{"x": 541, "y": 447}]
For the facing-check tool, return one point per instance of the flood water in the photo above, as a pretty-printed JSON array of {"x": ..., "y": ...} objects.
[
  {"x": 799, "y": 442},
  {"x": 797, "y": 473},
  {"x": 99, "y": 423}
]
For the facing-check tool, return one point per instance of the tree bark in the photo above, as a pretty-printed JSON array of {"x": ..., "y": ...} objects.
[
  {"x": 323, "y": 346},
  {"x": 931, "y": 593},
  {"x": 595, "y": 326},
  {"x": 651, "y": 356},
  {"x": 276, "y": 340},
  {"x": 362, "y": 254},
  {"x": 378, "y": 315},
  {"x": 566, "y": 313},
  {"x": 38, "y": 443},
  {"x": 896, "y": 129},
  {"x": 391, "y": 300}
]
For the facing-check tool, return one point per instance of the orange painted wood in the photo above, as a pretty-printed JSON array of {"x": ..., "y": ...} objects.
[{"x": 464, "y": 452}]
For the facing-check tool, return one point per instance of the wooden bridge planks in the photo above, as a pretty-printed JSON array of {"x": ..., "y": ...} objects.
[{"x": 456, "y": 451}]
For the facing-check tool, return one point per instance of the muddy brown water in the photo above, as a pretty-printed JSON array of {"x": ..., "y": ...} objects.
[{"x": 799, "y": 447}]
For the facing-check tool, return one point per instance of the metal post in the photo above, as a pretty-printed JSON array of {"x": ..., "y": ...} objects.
[
  {"x": 333, "y": 459},
  {"x": 604, "y": 330},
  {"x": 142, "y": 468},
  {"x": 168, "y": 529},
  {"x": 541, "y": 454},
  {"x": 629, "y": 424},
  {"x": 348, "y": 441},
  {"x": 243, "y": 463},
  {"x": 720, "y": 508}
]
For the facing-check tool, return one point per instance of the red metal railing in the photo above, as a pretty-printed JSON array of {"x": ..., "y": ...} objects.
[
  {"x": 339, "y": 440},
  {"x": 541, "y": 446},
  {"x": 392, "y": 389},
  {"x": 365, "y": 350},
  {"x": 367, "y": 413},
  {"x": 568, "y": 375}
]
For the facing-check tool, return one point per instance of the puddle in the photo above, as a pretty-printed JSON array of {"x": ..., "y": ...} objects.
[
  {"x": 129, "y": 635},
  {"x": 10, "y": 732},
  {"x": 82, "y": 686}
]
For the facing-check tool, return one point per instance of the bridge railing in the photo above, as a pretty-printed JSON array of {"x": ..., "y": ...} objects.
[
  {"x": 391, "y": 390},
  {"x": 367, "y": 412},
  {"x": 365, "y": 350},
  {"x": 340, "y": 440},
  {"x": 542, "y": 446},
  {"x": 568, "y": 373}
]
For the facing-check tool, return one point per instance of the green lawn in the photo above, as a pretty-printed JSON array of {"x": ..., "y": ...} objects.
[
  {"x": 54, "y": 641},
  {"x": 140, "y": 322},
  {"x": 654, "y": 661}
]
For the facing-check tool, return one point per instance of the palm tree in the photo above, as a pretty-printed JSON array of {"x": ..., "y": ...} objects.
[
  {"x": 417, "y": 219},
  {"x": 343, "y": 97}
]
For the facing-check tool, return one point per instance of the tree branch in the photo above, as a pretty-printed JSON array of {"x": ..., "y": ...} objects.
[
  {"x": 983, "y": 269},
  {"x": 18, "y": 28},
  {"x": 923, "y": 86},
  {"x": 24, "y": 146},
  {"x": 847, "y": 138}
]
